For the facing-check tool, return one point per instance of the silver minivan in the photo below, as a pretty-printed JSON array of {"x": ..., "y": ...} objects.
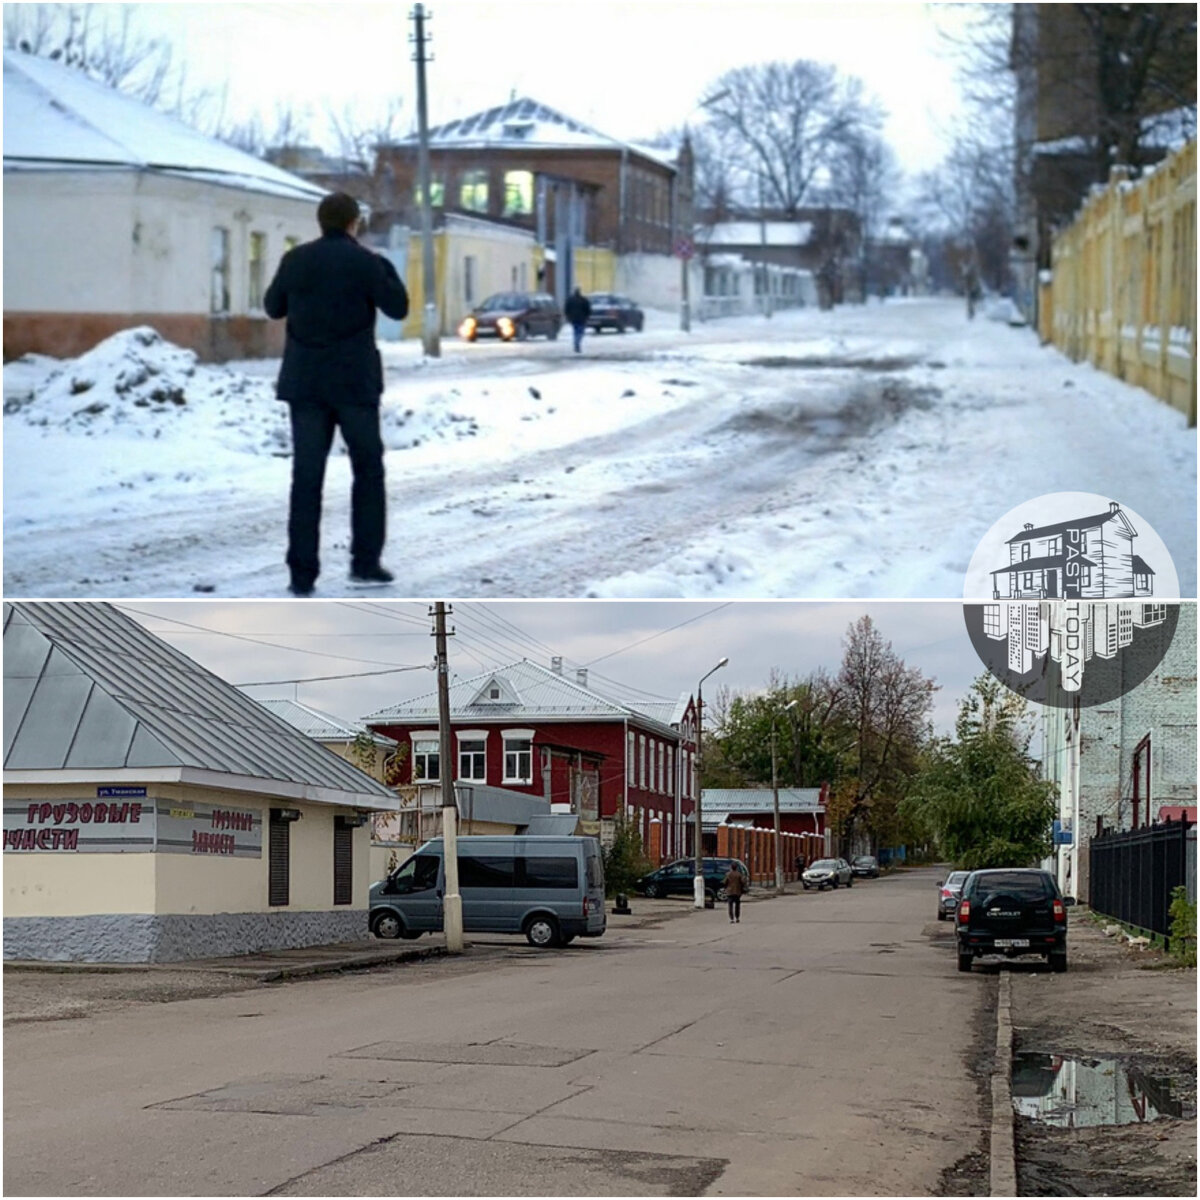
[{"x": 551, "y": 889}]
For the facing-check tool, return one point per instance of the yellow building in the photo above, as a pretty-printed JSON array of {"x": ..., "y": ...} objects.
[{"x": 153, "y": 813}]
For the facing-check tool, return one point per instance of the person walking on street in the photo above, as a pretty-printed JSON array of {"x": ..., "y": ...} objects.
[
  {"x": 577, "y": 310},
  {"x": 735, "y": 885},
  {"x": 332, "y": 378}
]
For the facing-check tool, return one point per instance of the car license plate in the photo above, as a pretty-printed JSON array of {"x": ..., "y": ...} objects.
[{"x": 1012, "y": 943}]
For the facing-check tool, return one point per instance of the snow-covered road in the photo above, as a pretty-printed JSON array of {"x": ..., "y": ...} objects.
[{"x": 857, "y": 453}]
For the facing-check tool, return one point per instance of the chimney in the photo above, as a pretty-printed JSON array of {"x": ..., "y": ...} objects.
[
  {"x": 556, "y": 665},
  {"x": 1113, "y": 507},
  {"x": 581, "y": 676},
  {"x": 1028, "y": 525}
]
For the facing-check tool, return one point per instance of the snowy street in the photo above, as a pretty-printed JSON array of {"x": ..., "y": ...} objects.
[{"x": 861, "y": 452}]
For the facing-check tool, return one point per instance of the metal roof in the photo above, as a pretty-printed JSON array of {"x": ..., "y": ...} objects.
[
  {"x": 714, "y": 800},
  {"x": 88, "y": 688},
  {"x": 56, "y": 116},
  {"x": 321, "y": 726},
  {"x": 525, "y": 691}
]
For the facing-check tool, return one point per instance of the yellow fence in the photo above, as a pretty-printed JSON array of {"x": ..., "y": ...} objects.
[{"x": 1122, "y": 292}]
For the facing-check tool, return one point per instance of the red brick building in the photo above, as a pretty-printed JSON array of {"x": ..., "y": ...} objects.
[{"x": 530, "y": 729}]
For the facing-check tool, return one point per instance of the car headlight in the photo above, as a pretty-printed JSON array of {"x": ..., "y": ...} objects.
[
  {"x": 505, "y": 326},
  {"x": 467, "y": 328}
]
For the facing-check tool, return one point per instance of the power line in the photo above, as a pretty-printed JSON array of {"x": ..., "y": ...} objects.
[
  {"x": 325, "y": 678},
  {"x": 643, "y": 641}
]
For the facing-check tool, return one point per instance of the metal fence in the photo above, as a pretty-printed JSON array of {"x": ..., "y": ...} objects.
[{"x": 1133, "y": 873}]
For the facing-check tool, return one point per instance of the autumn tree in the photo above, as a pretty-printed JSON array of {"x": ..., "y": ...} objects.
[{"x": 980, "y": 793}]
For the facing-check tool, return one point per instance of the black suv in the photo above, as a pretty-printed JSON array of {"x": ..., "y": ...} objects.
[
  {"x": 1011, "y": 911},
  {"x": 678, "y": 878}
]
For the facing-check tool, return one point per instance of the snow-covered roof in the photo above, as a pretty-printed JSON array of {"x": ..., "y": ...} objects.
[
  {"x": 521, "y": 691},
  {"x": 750, "y": 233},
  {"x": 87, "y": 688},
  {"x": 318, "y": 725},
  {"x": 56, "y": 116},
  {"x": 527, "y": 122}
]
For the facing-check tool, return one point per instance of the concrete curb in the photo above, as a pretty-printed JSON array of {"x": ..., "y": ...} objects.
[{"x": 1002, "y": 1152}]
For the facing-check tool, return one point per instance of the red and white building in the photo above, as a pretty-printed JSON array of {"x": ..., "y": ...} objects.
[{"x": 531, "y": 730}]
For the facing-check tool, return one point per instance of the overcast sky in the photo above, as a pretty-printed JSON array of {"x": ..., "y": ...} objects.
[
  {"x": 794, "y": 637},
  {"x": 629, "y": 67}
]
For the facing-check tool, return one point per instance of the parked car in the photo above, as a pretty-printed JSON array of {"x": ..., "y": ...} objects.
[
  {"x": 827, "y": 873},
  {"x": 513, "y": 316},
  {"x": 610, "y": 311},
  {"x": 551, "y": 889},
  {"x": 949, "y": 890},
  {"x": 1011, "y": 911},
  {"x": 866, "y": 866},
  {"x": 678, "y": 878}
]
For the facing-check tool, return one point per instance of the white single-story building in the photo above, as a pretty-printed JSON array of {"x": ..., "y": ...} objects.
[
  {"x": 117, "y": 215},
  {"x": 154, "y": 813}
]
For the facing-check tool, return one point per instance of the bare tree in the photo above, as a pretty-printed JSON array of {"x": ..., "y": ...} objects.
[{"x": 785, "y": 123}]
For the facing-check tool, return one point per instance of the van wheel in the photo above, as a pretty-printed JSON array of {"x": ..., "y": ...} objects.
[
  {"x": 652, "y": 891},
  {"x": 542, "y": 932},
  {"x": 387, "y": 925},
  {"x": 964, "y": 962}
]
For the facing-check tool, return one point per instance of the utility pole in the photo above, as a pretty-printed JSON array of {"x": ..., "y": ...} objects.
[
  {"x": 698, "y": 879},
  {"x": 429, "y": 318},
  {"x": 762, "y": 232},
  {"x": 775, "y": 793},
  {"x": 452, "y": 901}
]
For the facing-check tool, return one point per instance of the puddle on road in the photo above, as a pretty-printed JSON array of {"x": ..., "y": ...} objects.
[{"x": 1068, "y": 1092}]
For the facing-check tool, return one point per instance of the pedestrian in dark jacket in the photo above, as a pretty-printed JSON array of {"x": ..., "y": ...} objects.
[
  {"x": 332, "y": 378},
  {"x": 577, "y": 310},
  {"x": 734, "y": 884}
]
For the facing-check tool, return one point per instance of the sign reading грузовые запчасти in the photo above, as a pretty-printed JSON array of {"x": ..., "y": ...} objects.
[
  {"x": 123, "y": 826},
  {"x": 1077, "y": 596}
]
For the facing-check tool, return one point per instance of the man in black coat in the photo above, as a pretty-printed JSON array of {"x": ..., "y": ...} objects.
[
  {"x": 332, "y": 378},
  {"x": 577, "y": 310}
]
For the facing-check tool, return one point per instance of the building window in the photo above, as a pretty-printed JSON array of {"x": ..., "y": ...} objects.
[
  {"x": 991, "y": 620},
  {"x": 258, "y": 264},
  {"x": 1142, "y": 582},
  {"x": 641, "y": 761},
  {"x": 670, "y": 770},
  {"x": 219, "y": 255},
  {"x": 1024, "y": 551},
  {"x": 1027, "y": 580},
  {"x": 1085, "y": 576},
  {"x": 1054, "y": 546},
  {"x": 630, "y": 756},
  {"x": 279, "y": 865},
  {"x": 518, "y": 193},
  {"x": 426, "y": 761},
  {"x": 659, "y": 765},
  {"x": 343, "y": 861},
  {"x": 470, "y": 269},
  {"x": 437, "y": 192},
  {"x": 473, "y": 191},
  {"x": 290, "y": 243},
  {"x": 472, "y": 758},
  {"x": 518, "y": 760}
]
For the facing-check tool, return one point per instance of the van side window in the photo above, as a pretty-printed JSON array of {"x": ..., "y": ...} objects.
[
  {"x": 550, "y": 873},
  {"x": 419, "y": 874},
  {"x": 486, "y": 870}
]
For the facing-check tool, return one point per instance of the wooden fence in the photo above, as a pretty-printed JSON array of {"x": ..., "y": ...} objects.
[{"x": 1122, "y": 288}]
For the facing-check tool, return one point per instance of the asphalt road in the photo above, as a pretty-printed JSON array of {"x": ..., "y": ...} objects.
[{"x": 820, "y": 1047}]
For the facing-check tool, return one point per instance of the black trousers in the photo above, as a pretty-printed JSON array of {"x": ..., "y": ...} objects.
[
  {"x": 735, "y": 906},
  {"x": 313, "y": 425}
]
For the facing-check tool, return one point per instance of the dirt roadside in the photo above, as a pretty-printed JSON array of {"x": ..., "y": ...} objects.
[{"x": 1116, "y": 1034}]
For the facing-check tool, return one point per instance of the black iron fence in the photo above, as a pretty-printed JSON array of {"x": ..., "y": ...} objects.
[{"x": 1132, "y": 874}]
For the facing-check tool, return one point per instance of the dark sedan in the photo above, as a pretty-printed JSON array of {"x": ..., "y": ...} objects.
[
  {"x": 513, "y": 316},
  {"x": 949, "y": 890},
  {"x": 865, "y": 866},
  {"x": 610, "y": 311},
  {"x": 678, "y": 878}
]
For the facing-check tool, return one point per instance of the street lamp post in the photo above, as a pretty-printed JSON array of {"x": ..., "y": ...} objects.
[
  {"x": 685, "y": 221},
  {"x": 698, "y": 882},
  {"x": 775, "y": 792}
]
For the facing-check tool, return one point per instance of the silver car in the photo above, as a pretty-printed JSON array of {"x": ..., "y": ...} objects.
[
  {"x": 949, "y": 891},
  {"x": 827, "y": 873}
]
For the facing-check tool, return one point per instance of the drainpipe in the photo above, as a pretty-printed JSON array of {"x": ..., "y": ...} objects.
[{"x": 546, "y": 774}]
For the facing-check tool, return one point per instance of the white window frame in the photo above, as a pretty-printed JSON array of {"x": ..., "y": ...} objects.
[
  {"x": 517, "y": 735},
  {"x": 470, "y": 735},
  {"x": 641, "y": 760},
  {"x": 420, "y": 742}
]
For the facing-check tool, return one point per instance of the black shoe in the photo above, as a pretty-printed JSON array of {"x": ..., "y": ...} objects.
[
  {"x": 302, "y": 585},
  {"x": 375, "y": 576}
]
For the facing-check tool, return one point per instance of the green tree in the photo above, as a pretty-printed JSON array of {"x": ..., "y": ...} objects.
[
  {"x": 979, "y": 793},
  {"x": 625, "y": 860}
]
